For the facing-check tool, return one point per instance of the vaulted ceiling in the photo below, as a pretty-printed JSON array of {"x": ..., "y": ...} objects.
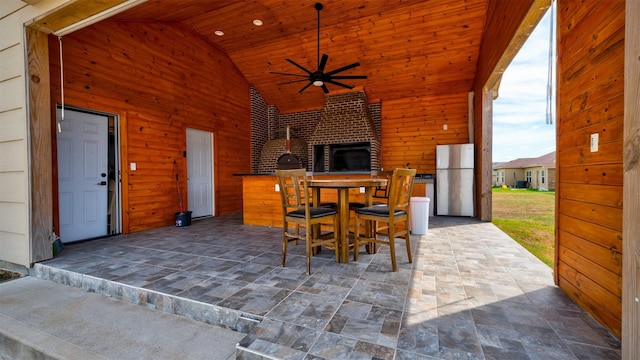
[{"x": 406, "y": 48}]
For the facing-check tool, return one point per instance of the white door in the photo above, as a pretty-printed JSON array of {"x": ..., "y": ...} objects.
[
  {"x": 200, "y": 172},
  {"x": 82, "y": 175}
]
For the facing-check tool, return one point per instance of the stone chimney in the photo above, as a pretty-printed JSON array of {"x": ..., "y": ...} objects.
[{"x": 345, "y": 120}]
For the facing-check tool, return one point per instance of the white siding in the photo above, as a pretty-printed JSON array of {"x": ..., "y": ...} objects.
[{"x": 14, "y": 147}]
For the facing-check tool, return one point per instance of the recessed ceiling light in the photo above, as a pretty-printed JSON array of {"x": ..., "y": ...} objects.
[
  {"x": 257, "y": 22},
  {"x": 219, "y": 32}
]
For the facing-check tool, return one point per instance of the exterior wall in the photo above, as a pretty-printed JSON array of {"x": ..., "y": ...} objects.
[
  {"x": 160, "y": 79},
  {"x": 589, "y": 187},
  {"x": 511, "y": 176},
  {"x": 14, "y": 169}
]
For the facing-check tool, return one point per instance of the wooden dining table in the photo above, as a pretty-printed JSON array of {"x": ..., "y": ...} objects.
[{"x": 343, "y": 186}]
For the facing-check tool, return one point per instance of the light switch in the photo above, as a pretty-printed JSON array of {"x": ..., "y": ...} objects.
[
  {"x": 277, "y": 187},
  {"x": 594, "y": 142},
  {"x": 133, "y": 166},
  {"x": 444, "y": 127}
]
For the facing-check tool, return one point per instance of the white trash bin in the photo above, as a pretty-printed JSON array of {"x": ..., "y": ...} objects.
[{"x": 420, "y": 215}]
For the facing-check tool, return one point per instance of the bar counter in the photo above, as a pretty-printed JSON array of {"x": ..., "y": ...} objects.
[{"x": 261, "y": 203}]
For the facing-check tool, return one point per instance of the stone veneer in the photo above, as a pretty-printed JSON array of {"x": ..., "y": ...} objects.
[
  {"x": 345, "y": 119},
  {"x": 273, "y": 149},
  {"x": 267, "y": 124}
]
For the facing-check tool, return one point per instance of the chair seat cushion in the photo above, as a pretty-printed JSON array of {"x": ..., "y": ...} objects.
[
  {"x": 378, "y": 210},
  {"x": 314, "y": 212}
]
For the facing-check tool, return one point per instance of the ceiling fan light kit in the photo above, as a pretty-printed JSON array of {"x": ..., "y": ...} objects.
[{"x": 319, "y": 78}]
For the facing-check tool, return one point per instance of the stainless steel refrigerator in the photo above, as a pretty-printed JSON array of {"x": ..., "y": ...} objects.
[{"x": 454, "y": 180}]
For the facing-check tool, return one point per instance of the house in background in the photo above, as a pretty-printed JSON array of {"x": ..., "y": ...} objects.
[
  {"x": 494, "y": 173},
  {"x": 533, "y": 173}
]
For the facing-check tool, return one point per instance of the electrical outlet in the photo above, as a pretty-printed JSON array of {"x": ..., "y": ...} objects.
[
  {"x": 362, "y": 190},
  {"x": 594, "y": 142},
  {"x": 133, "y": 166},
  {"x": 444, "y": 127}
]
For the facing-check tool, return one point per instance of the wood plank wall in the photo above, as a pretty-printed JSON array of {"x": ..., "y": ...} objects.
[
  {"x": 589, "y": 184},
  {"x": 161, "y": 79},
  {"x": 411, "y": 128}
]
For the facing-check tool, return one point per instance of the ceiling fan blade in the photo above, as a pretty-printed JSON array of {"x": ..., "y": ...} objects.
[
  {"x": 324, "y": 88},
  {"x": 292, "y": 81},
  {"x": 305, "y": 87},
  {"x": 351, "y": 66},
  {"x": 300, "y": 66},
  {"x": 349, "y": 77},
  {"x": 339, "y": 84},
  {"x": 323, "y": 62},
  {"x": 281, "y": 73}
]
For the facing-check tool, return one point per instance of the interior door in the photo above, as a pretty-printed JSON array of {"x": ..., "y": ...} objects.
[
  {"x": 200, "y": 172},
  {"x": 82, "y": 175}
]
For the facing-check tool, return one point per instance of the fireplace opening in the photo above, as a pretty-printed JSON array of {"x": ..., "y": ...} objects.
[{"x": 350, "y": 157}]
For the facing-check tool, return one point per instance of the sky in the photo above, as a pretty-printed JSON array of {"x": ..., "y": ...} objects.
[{"x": 519, "y": 112}]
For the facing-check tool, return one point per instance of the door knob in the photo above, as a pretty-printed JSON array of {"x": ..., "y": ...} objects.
[{"x": 102, "y": 183}]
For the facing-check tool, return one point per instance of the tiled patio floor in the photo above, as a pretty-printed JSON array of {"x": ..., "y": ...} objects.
[{"x": 471, "y": 293}]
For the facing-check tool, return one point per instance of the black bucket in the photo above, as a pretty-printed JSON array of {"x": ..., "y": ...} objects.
[{"x": 183, "y": 218}]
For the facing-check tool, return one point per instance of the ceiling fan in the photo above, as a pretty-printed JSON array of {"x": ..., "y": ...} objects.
[{"x": 319, "y": 77}]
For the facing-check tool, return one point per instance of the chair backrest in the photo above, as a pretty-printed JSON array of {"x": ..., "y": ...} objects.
[
  {"x": 400, "y": 188},
  {"x": 382, "y": 192},
  {"x": 294, "y": 191}
]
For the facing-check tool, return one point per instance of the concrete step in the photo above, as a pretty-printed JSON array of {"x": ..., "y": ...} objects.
[{"x": 42, "y": 319}]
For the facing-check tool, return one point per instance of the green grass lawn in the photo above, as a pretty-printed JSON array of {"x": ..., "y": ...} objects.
[{"x": 528, "y": 216}]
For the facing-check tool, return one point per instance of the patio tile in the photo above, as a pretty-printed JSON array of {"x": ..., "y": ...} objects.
[
  {"x": 304, "y": 309},
  {"x": 379, "y": 294},
  {"x": 255, "y": 299},
  {"x": 213, "y": 290},
  {"x": 175, "y": 283},
  {"x": 470, "y": 293},
  {"x": 142, "y": 275},
  {"x": 280, "y": 340},
  {"x": 332, "y": 346},
  {"x": 327, "y": 284},
  {"x": 366, "y": 322}
]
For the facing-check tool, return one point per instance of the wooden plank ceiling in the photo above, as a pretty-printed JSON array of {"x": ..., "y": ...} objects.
[{"x": 406, "y": 48}]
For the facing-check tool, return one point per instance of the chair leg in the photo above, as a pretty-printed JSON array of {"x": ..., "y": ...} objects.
[
  {"x": 392, "y": 246},
  {"x": 336, "y": 248},
  {"x": 372, "y": 228},
  {"x": 297, "y": 233},
  {"x": 309, "y": 238},
  {"x": 408, "y": 239},
  {"x": 356, "y": 239}
]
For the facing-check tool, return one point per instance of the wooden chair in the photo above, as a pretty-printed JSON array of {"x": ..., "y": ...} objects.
[
  {"x": 297, "y": 209},
  {"x": 393, "y": 214},
  {"x": 380, "y": 194}
]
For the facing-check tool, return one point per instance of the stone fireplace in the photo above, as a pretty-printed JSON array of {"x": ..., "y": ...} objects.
[
  {"x": 345, "y": 138},
  {"x": 341, "y": 137}
]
